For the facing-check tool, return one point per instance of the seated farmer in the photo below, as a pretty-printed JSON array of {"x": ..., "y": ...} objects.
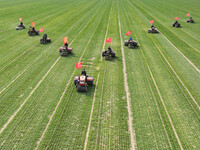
[
  {"x": 83, "y": 72},
  {"x": 130, "y": 39},
  {"x": 21, "y": 24},
  {"x": 191, "y": 19},
  {"x": 33, "y": 29},
  {"x": 45, "y": 36},
  {"x": 152, "y": 27},
  {"x": 66, "y": 45},
  {"x": 109, "y": 49}
]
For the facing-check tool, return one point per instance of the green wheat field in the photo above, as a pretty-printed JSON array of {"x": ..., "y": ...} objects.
[{"x": 147, "y": 98}]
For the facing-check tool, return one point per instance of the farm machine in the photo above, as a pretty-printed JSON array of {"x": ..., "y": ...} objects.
[
  {"x": 176, "y": 24},
  {"x": 153, "y": 30},
  {"x": 32, "y": 31},
  {"x": 130, "y": 43},
  {"x": 45, "y": 40},
  {"x": 190, "y": 20},
  {"x": 82, "y": 82},
  {"x": 108, "y": 54},
  {"x": 20, "y": 26}
]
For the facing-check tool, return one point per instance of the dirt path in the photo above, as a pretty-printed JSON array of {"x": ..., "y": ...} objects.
[{"x": 130, "y": 125}]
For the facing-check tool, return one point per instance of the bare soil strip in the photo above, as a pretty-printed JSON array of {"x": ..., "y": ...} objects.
[{"x": 130, "y": 125}]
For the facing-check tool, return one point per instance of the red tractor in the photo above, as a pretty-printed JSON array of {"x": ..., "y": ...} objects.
[{"x": 82, "y": 82}]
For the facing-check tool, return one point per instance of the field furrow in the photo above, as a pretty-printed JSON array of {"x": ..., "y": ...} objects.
[{"x": 146, "y": 97}]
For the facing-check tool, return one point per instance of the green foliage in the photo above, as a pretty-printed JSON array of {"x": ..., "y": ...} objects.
[{"x": 35, "y": 77}]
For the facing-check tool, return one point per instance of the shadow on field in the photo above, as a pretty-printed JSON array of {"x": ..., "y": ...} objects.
[
  {"x": 90, "y": 92},
  {"x": 69, "y": 55},
  {"x": 132, "y": 49},
  {"x": 112, "y": 59}
]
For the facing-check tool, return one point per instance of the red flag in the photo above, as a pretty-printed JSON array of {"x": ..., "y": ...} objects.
[
  {"x": 78, "y": 65},
  {"x": 41, "y": 30},
  {"x": 108, "y": 40},
  {"x": 20, "y": 19},
  {"x": 151, "y": 22},
  {"x": 33, "y": 24},
  {"x": 128, "y": 33},
  {"x": 176, "y": 18},
  {"x": 188, "y": 15},
  {"x": 65, "y": 40}
]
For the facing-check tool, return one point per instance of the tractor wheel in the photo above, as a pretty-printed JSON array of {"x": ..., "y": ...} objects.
[
  {"x": 131, "y": 47},
  {"x": 78, "y": 87},
  {"x": 85, "y": 89},
  {"x": 75, "y": 82},
  {"x": 103, "y": 53},
  {"x": 113, "y": 55},
  {"x": 29, "y": 33},
  {"x": 126, "y": 43},
  {"x": 90, "y": 83},
  {"x": 107, "y": 57}
]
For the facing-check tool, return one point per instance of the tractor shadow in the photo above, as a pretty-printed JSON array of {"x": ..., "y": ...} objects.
[
  {"x": 112, "y": 59},
  {"x": 133, "y": 49},
  {"x": 89, "y": 93},
  {"x": 72, "y": 55}
]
